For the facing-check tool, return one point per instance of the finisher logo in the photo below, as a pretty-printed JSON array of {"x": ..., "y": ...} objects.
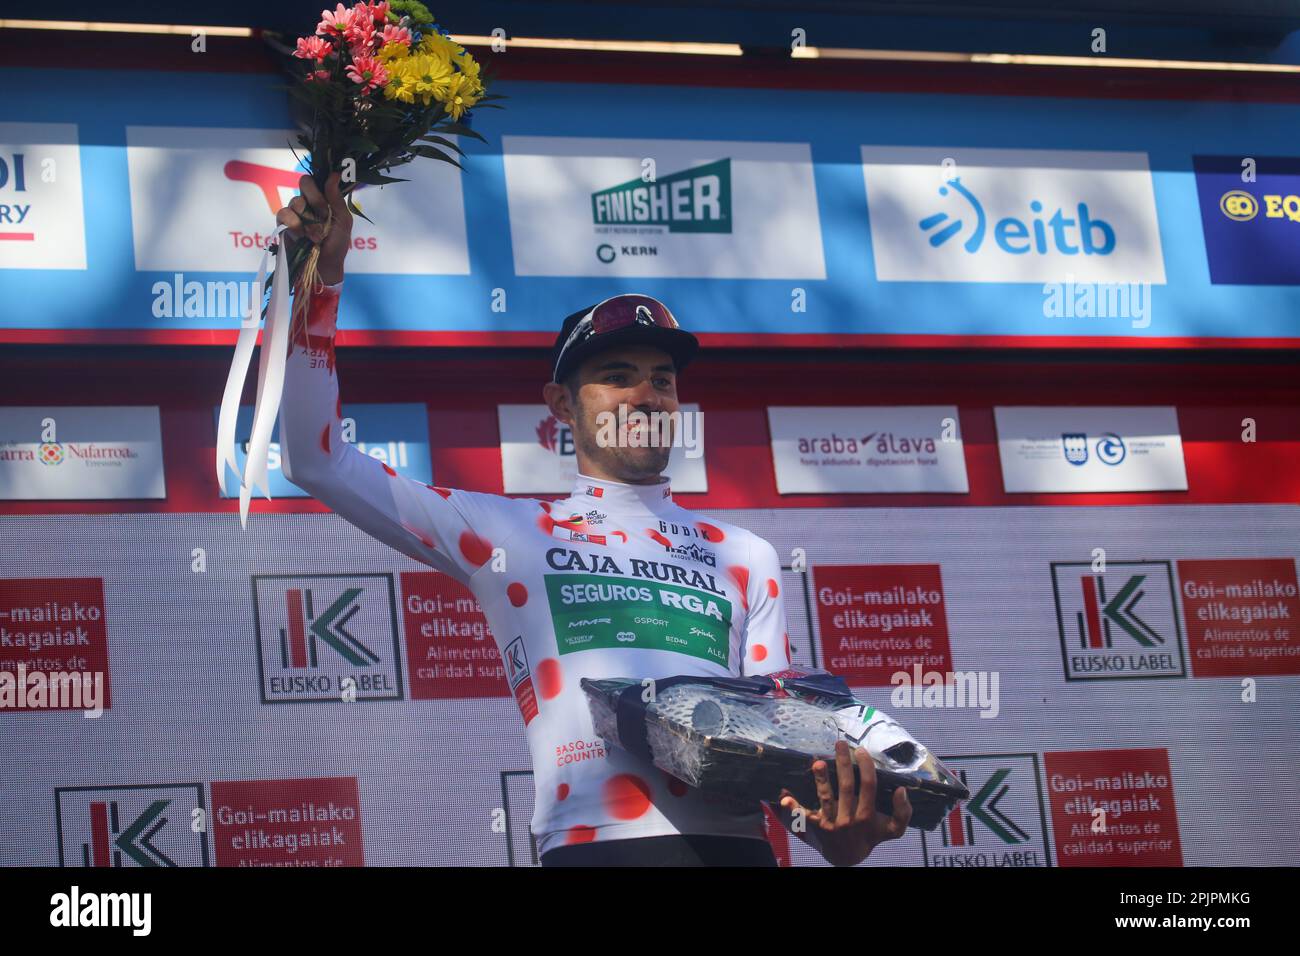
[
  {"x": 130, "y": 826},
  {"x": 1004, "y": 823},
  {"x": 694, "y": 200},
  {"x": 1122, "y": 623},
  {"x": 327, "y": 637}
]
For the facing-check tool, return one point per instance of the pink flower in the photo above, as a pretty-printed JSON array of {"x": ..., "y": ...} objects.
[
  {"x": 334, "y": 24},
  {"x": 361, "y": 34},
  {"x": 319, "y": 76},
  {"x": 379, "y": 10},
  {"x": 394, "y": 34},
  {"x": 367, "y": 71},
  {"x": 312, "y": 48}
]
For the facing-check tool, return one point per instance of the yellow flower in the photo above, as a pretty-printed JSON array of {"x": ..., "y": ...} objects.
[
  {"x": 431, "y": 75},
  {"x": 391, "y": 52},
  {"x": 438, "y": 44},
  {"x": 458, "y": 96},
  {"x": 400, "y": 85},
  {"x": 469, "y": 66}
]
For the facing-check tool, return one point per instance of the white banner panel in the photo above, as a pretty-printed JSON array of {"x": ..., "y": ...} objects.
[
  {"x": 537, "y": 454},
  {"x": 867, "y": 449},
  {"x": 955, "y": 214},
  {"x": 205, "y": 200},
  {"x": 222, "y": 700},
  {"x": 1075, "y": 448},
  {"x": 664, "y": 208},
  {"x": 42, "y": 223},
  {"x": 114, "y": 451}
]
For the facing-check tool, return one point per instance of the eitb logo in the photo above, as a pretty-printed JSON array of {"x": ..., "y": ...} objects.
[
  {"x": 327, "y": 637},
  {"x": 1119, "y": 624},
  {"x": 1004, "y": 823}
]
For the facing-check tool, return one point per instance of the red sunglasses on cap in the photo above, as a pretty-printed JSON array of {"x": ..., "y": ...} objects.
[{"x": 617, "y": 312}]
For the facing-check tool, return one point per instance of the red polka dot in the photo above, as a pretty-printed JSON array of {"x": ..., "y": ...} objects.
[
  {"x": 325, "y": 439},
  {"x": 546, "y": 506},
  {"x": 627, "y": 796},
  {"x": 658, "y": 537},
  {"x": 741, "y": 576},
  {"x": 773, "y": 589},
  {"x": 546, "y": 523},
  {"x": 581, "y": 834},
  {"x": 622, "y": 535},
  {"x": 562, "y": 791},
  {"x": 676, "y": 787},
  {"x": 758, "y": 652},
  {"x": 550, "y": 680},
  {"x": 518, "y": 594},
  {"x": 445, "y": 492},
  {"x": 384, "y": 465},
  {"x": 476, "y": 550},
  {"x": 710, "y": 532}
]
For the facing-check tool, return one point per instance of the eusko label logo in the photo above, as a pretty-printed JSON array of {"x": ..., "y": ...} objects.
[
  {"x": 951, "y": 214},
  {"x": 1120, "y": 622},
  {"x": 1004, "y": 823},
  {"x": 327, "y": 637},
  {"x": 147, "y": 825}
]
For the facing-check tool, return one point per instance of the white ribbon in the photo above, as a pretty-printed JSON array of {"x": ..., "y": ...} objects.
[{"x": 270, "y": 379}]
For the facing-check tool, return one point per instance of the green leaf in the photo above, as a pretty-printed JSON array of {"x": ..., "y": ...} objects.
[
  {"x": 442, "y": 142},
  {"x": 356, "y": 210},
  {"x": 460, "y": 129}
]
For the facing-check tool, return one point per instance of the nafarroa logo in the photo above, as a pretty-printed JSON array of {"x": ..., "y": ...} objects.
[
  {"x": 327, "y": 637},
  {"x": 1120, "y": 622},
  {"x": 147, "y": 825},
  {"x": 1004, "y": 823},
  {"x": 693, "y": 200}
]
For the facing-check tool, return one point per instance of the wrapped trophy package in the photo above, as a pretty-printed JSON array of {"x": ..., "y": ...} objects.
[{"x": 752, "y": 736}]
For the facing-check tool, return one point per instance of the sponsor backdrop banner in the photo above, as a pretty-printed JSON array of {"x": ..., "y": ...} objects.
[
  {"x": 142, "y": 212},
  {"x": 867, "y": 449},
  {"x": 1139, "y": 665},
  {"x": 80, "y": 452},
  {"x": 1086, "y": 449}
]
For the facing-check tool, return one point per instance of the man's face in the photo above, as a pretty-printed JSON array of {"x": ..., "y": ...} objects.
[{"x": 609, "y": 388}]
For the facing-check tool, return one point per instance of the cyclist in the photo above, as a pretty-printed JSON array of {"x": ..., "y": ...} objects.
[{"x": 617, "y": 580}]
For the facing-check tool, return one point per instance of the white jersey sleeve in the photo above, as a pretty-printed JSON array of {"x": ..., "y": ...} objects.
[
  {"x": 766, "y": 645},
  {"x": 450, "y": 530}
]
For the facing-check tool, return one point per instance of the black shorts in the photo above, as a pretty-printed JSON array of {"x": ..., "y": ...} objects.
[{"x": 669, "y": 850}]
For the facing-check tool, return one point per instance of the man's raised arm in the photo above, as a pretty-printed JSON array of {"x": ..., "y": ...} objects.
[{"x": 451, "y": 530}]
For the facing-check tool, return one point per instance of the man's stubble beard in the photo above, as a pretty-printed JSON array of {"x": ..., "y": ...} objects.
[{"x": 627, "y": 463}]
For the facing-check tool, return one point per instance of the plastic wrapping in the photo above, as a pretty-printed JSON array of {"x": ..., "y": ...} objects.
[{"x": 753, "y": 736}]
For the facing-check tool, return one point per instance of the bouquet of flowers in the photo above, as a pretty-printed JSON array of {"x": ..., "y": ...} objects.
[{"x": 376, "y": 86}]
